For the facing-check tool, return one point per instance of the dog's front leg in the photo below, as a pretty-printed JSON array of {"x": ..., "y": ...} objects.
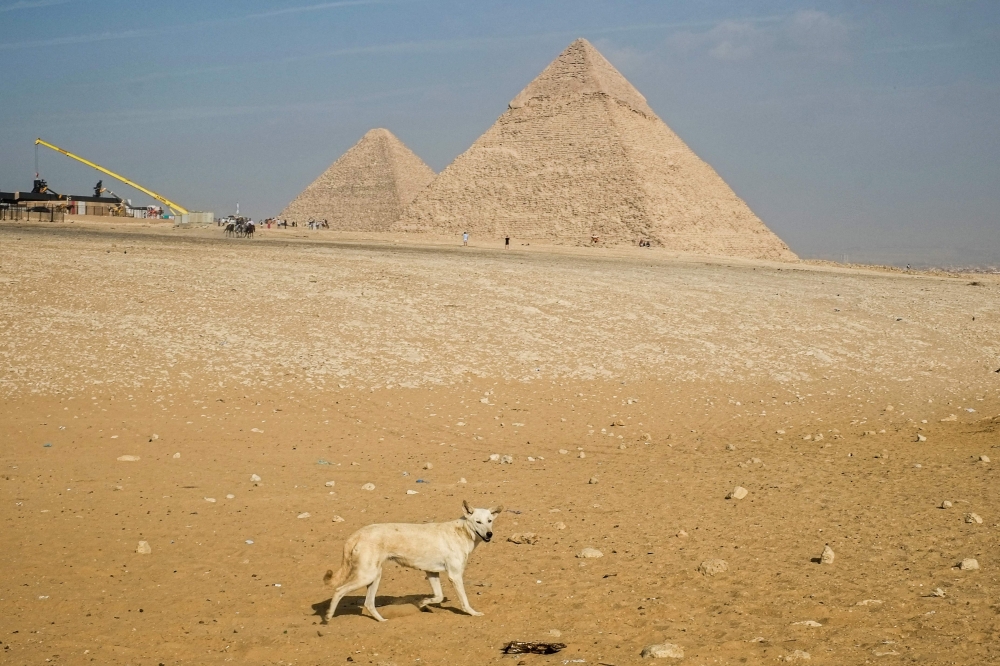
[
  {"x": 434, "y": 578},
  {"x": 456, "y": 580}
]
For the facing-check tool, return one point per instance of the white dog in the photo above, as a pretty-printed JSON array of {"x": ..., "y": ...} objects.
[{"x": 430, "y": 547}]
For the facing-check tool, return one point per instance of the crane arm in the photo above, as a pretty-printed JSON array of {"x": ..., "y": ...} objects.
[{"x": 176, "y": 208}]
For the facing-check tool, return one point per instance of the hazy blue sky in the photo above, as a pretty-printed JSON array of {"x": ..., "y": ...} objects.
[{"x": 866, "y": 128}]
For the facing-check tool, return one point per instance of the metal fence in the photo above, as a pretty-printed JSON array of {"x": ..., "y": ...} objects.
[{"x": 25, "y": 214}]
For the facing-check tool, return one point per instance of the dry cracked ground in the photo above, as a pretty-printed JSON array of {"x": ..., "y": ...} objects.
[{"x": 634, "y": 391}]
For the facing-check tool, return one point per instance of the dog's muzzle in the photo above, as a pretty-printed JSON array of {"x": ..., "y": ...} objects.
[{"x": 489, "y": 535}]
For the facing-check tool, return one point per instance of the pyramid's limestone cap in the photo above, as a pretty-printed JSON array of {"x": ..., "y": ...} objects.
[{"x": 582, "y": 70}]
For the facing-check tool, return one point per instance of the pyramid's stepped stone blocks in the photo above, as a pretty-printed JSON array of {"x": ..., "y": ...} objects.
[
  {"x": 579, "y": 153},
  {"x": 366, "y": 189}
]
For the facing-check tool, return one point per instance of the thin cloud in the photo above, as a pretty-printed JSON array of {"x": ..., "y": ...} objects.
[
  {"x": 315, "y": 8},
  {"x": 31, "y": 4}
]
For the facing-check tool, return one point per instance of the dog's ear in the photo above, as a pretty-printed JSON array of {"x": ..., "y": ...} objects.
[
  {"x": 468, "y": 509},
  {"x": 496, "y": 511}
]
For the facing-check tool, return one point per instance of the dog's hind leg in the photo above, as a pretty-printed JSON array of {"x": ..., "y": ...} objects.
[
  {"x": 370, "y": 597},
  {"x": 456, "y": 580},
  {"x": 354, "y": 581},
  {"x": 434, "y": 578}
]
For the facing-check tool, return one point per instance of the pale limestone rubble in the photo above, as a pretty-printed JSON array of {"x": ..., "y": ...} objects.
[
  {"x": 366, "y": 189},
  {"x": 580, "y": 154}
]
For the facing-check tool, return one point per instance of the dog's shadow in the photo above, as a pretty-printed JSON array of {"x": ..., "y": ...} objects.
[{"x": 388, "y": 607}]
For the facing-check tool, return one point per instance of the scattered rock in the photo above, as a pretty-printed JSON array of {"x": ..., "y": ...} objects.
[
  {"x": 969, "y": 564},
  {"x": 462, "y": 480},
  {"x": 869, "y": 602},
  {"x": 584, "y": 455},
  {"x": 563, "y": 451},
  {"x": 254, "y": 478},
  {"x": 304, "y": 514},
  {"x": 738, "y": 493},
  {"x": 730, "y": 447},
  {"x": 713, "y": 567},
  {"x": 984, "y": 458},
  {"x": 807, "y": 437},
  {"x": 128, "y": 458},
  {"x": 798, "y": 655},
  {"x": 938, "y": 592},
  {"x": 921, "y": 438},
  {"x": 154, "y": 437},
  {"x": 817, "y": 437},
  {"x": 622, "y": 446},
  {"x": 411, "y": 492},
  {"x": 177, "y": 455},
  {"x": 368, "y": 486},
  {"x": 330, "y": 484},
  {"x": 210, "y": 499},
  {"x": 428, "y": 465},
  {"x": 827, "y": 556},
  {"x": 593, "y": 480},
  {"x": 555, "y": 633},
  {"x": 531, "y": 459},
  {"x": 946, "y": 504},
  {"x": 494, "y": 457},
  {"x": 589, "y": 553},
  {"x": 646, "y": 437},
  {"x": 144, "y": 548},
  {"x": 779, "y": 432},
  {"x": 507, "y": 460},
  {"x": 528, "y": 538},
  {"x": 338, "y": 519},
  {"x": 618, "y": 423},
  {"x": 663, "y": 651},
  {"x": 560, "y": 525},
  {"x": 807, "y": 623},
  {"x": 230, "y": 496},
  {"x": 973, "y": 518},
  {"x": 950, "y": 417},
  {"x": 682, "y": 534}
]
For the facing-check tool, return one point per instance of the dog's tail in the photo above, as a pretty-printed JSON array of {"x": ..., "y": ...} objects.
[{"x": 340, "y": 576}]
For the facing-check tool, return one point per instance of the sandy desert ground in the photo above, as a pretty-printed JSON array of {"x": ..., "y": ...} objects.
[{"x": 849, "y": 403}]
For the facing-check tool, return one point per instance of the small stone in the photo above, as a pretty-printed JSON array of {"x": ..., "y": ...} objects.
[
  {"x": 555, "y": 633},
  {"x": 713, "y": 567},
  {"x": 969, "y": 564},
  {"x": 177, "y": 455},
  {"x": 618, "y": 423},
  {"x": 528, "y": 538},
  {"x": 950, "y": 417},
  {"x": 973, "y": 518},
  {"x": 921, "y": 438},
  {"x": 807, "y": 623},
  {"x": 663, "y": 651},
  {"x": 560, "y": 525},
  {"x": 144, "y": 548},
  {"x": 210, "y": 499},
  {"x": 730, "y": 447},
  {"x": 507, "y": 460},
  {"x": 530, "y": 459},
  {"x": 254, "y": 478},
  {"x": 337, "y": 519},
  {"x": 946, "y": 504},
  {"x": 807, "y": 437},
  {"x": 646, "y": 437},
  {"x": 230, "y": 496},
  {"x": 593, "y": 480},
  {"x": 817, "y": 437},
  {"x": 738, "y": 493},
  {"x": 622, "y": 446},
  {"x": 154, "y": 437},
  {"x": 494, "y": 457},
  {"x": 428, "y": 465},
  {"x": 563, "y": 451},
  {"x": 779, "y": 432},
  {"x": 411, "y": 492},
  {"x": 304, "y": 514},
  {"x": 869, "y": 602},
  {"x": 128, "y": 458},
  {"x": 582, "y": 455},
  {"x": 938, "y": 592},
  {"x": 682, "y": 534},
  {"x": 462, "y": 480},
  {"x": 827, "y": 556},
  {"x": 330, "y": 484},
  {"x": 589, "y": 553},
  {"x": 798, "y": 655},
  {"x": 368, "y": 486},
  {"x": 984, "y": 458}
]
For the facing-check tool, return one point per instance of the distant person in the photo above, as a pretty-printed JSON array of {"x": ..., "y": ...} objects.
[
  {"x": 506, "y": 242},
  {"x": 465, "y": 238}
]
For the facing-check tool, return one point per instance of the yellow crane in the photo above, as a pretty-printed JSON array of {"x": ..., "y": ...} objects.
[{"x": 174, "y": 208}]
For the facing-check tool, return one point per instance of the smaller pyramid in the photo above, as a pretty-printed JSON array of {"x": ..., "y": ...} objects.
[{"x": 366, "y": 189}]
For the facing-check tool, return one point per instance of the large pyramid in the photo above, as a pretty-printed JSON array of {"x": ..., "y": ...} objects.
[
  {"x": 578, "y": 154},
  {"x": 366, "y": 189}
]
